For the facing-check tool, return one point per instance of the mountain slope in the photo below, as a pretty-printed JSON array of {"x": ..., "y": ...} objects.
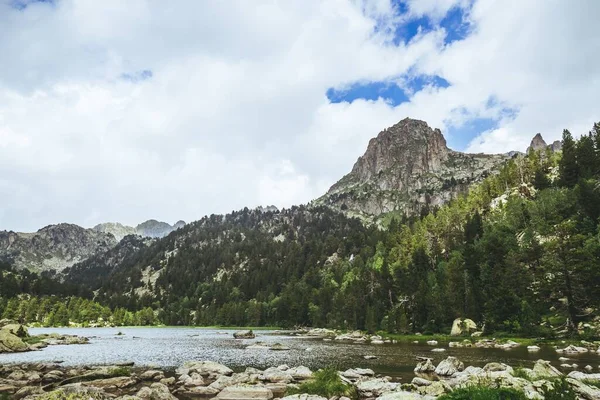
[
  {"x": 405, "y": 168},
  {"x": 53, "y": 247}
]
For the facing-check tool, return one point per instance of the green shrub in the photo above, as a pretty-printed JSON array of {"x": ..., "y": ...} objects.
[
  {"x": 559, "y": 390},
  {"x": 519, "y": 372},
  {"x": 327, "y": 383},
  {"x": 592, "y": 382},
  {"x": 484, "y": 393},
  {"x": 120, "y": 371}
]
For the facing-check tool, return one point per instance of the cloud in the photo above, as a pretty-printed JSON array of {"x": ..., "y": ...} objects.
[{"x": 124, "y": 112}]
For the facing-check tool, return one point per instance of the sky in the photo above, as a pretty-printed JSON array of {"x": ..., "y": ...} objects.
[{"x": 129, "y": 110}]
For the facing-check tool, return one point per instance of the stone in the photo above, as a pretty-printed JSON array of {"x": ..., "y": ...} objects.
[
  {"x": 571, "y": 349},
  {"x": 425, "y": 367},
  {"x": 495, "y": 367},
  {"x": 584, "y": 391},
  {"x": 432, "y": 342},
  {"x": 247, "y": 334},
  {"x": 449, "y": 366},
  {"x": 245, "y": 392},
  {"x": 300, "y": 373},
  {"x": 374, "y": 387},
  {"x": 118, "y": 382},
  {"x": 304, "y": 396},
  {"x": 11, "y": 343},
  {"x": 420, "y": 381},
  {"x": 370, "y": 357},
  {"x": 276, "y": 376},
  {"x": 400, "y": 396},
  {"x": 152, "y": 375},
  {"x": 206, "y": 368},
  {"x": 157, "y": 391},
  {"x": 476, "y": 334},
  {"x": 543, "y": 369},
  {"x": 16, "y": 329},
  {"x": 533, "y": 348},
  {"x": 438, "y": 350},
  {"x": 462, "y": 326}
]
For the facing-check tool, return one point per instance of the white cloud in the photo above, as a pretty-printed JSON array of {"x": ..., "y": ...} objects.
[{"x": 235, "y": 113}]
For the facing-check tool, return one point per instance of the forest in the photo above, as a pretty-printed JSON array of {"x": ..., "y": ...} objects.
[{"x": 519, "y": 254}]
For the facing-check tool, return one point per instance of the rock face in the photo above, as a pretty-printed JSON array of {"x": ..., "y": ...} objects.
[
  {"x": 54, "y": 247},
  {"x": 406, "y": 167},
  {"x": 537, "y": 143},
  {"x": 151, "y": 228}
]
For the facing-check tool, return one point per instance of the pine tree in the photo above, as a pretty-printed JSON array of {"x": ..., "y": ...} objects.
[{"x": 568, "y": 169}]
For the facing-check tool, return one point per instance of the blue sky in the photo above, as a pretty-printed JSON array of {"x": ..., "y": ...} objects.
[{"x": 395, "y": 92}]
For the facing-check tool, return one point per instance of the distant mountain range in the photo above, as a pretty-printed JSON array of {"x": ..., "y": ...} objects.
[{"x": 56, "y": 247}]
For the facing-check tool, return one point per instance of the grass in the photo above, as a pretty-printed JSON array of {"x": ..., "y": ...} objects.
[
  {"x": 32, "y": 340},
  {"x": 327, "y": 383},
  {"x": 120, "y": 371},
  {"x": 592, "y": 382},
  {"x": 484, "y": 393},
  {"x": 560, "y": 390},
  {"x": 519, "y": 372}
]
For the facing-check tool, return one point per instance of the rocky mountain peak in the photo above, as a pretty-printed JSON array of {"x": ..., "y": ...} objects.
[
  {"x": 537, "y": 143},
  {"x": 411, "y": 143},
  {"x": 405, "y": 167}
]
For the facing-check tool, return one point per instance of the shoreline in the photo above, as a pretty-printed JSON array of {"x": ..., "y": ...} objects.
[{"x": 208, "y": 379}]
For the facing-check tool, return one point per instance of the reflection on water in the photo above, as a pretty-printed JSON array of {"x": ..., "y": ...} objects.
[{"x": 170, "y": 347}]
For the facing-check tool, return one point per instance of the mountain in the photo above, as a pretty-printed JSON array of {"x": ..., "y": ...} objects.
[
  {"x": 53, "y": 247},
  {"x": 151, "y": 228},
  {"x": 405, "y": 168},
  {"x": 539, "y": 144}
]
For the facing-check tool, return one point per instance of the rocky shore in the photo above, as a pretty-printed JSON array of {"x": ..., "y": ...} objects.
[
  {"x": 15, "y": 338},
  {"x": 210, "y": 380}
]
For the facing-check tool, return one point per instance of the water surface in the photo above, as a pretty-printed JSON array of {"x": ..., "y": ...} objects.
[{"x": 171, "y": 347}]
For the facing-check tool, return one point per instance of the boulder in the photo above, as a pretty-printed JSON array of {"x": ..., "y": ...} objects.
[
  {"x": 206, "y": 368},
  {"x": 275, "y": 375},
  {"x": 584, "y": 391},
  {"x": 542, "y": 369},
  {"x": 10, "y": 343},
  {"x": 248, "y": 334},
  {"x": 425, "y": 367},
  {"x": 374, "y": 387},
  {"x": 118, "y": 382},
  {"x": 573, "y": 350},
  {"x": 157, "y": 391},
  {"x": 152, "y": 375},
  {"x": 533, "y": 348},
  {"x": 245, "y": 392},
  {"x": 304, "y": 396},
  {"x": 400, "y": 396},
  {"x": 16, "y": 329},
  {"x": 432, "y": 342},
  {"x": 300, "y": 373},
  {"x": 449, "y": 366},
  {"x": 462, "y": 326}
]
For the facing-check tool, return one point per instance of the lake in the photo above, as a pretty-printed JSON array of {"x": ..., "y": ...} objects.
[{"x": 171, "y": 347}]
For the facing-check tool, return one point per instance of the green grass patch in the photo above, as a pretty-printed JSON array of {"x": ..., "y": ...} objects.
[
  {"x": 120, "y": 371},
  {"x": 592, "y": 382},
  {"x": 484, "y": 393},
  {"x": 33, "y": 339},
  {"x": 327, "y": 383},
  {"x": 559, "y": 390}
]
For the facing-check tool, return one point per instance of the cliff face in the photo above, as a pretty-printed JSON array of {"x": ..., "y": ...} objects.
[
  {"x": 53, "y": 247},
  {"x": 406, "y": 167}
]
